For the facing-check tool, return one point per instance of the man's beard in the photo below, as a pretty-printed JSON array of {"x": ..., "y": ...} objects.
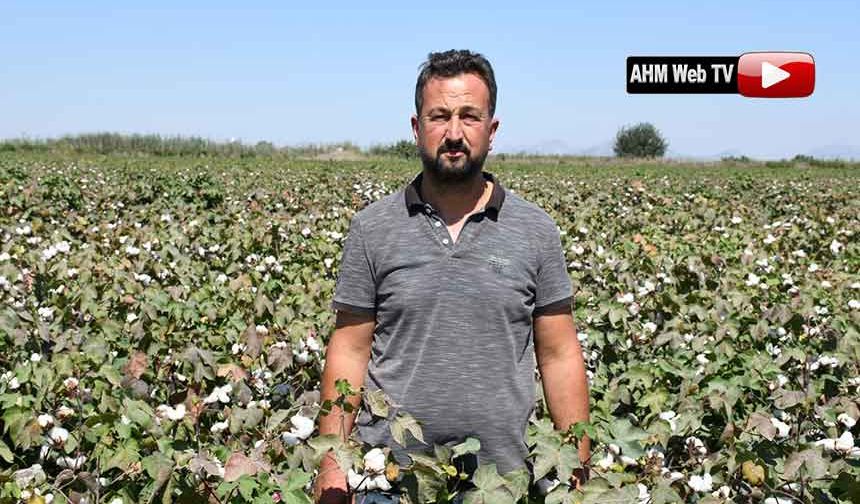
[{"x": 462, "y": 169}]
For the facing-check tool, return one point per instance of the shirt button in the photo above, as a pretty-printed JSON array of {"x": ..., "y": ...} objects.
[
  {"x": 445, "y": 241},
  {"x": 437, "y": 223}
]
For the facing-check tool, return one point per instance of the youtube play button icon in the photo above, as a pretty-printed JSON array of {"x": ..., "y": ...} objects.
[{"x": 776, "y": 75}]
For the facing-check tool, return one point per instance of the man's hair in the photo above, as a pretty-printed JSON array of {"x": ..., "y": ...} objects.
[{"x": 450, "y": 64}]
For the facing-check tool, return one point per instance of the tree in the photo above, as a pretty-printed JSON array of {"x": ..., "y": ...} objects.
[
  {"x": 639, "y": 140},
  {"x": 405, "y": 149}
]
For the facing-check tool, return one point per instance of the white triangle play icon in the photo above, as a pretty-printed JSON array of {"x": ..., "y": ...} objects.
[{"x": 771, "y": 75}]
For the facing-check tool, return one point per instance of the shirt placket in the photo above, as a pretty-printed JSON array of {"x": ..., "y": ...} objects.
[{"x": 441, "y": 230}]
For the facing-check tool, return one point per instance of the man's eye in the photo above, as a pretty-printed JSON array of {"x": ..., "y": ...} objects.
[
  {"x": 471, "y": 117},
  {"x": 437, "y": 117}
]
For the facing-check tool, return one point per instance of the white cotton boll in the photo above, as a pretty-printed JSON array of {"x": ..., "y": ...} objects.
[
  {"x": 302, "y": 357},
  {"x": 672, "y": 476},
  {"x": 222, "y": 278},
  {"x": 702, "y": 359},
  {"x": 49, "y": 253},
  {"x": 374, "y": 461},
  {"x": 290, "y": 438},
  {"x": 219, "y": 427},
  {"x": 46, "y": 313},
  {"x": 379, "y": 482},
  {"x": 306, "y": 231},
  {"x": 696, "y": 446},
  {"x": 62, "y": 247},
  {"x": 845, "y": 442},
  {"x": 724, "y": 492},
  {"x": 58, "y": 435},
  {"x": 172, "y": 413},
  {"x": 736, "y": 220},
  {"x": 644, "y": 495},
  {"x": 357, "y": 481},
  {"x": 606, "y": 462},
  {"x": 836, "y": 247},
  {"x": 303, "y": 426},
  {"x": 782, "y": 428},
  {"x": 854, "y": 304},
  {"x": 261, "y": 330},
  {"x": 669, "y": 416},
  {"x": 132, "y": 250},
  {"x": 627, "y": 461},
  {"x": 35, "y": 357},
  {"x": 45, "y": 420},
  {"x": 131, "y": 317},
  {"x": 778, "y": 500},
  {"x": 328, "y": 261},
  {"x": 769, "y": 239},
  {"x": 651, "y": 327},
  {"x": 752, "y": 280},
  {"x": 625, "y": 298},
  {"x": 704, "y": 483},
  {"x": 312, "y": 344},
  {"x": 221, "y": 394},
  {"x": 64, "y": 412},
  {"x": 73, "y": 463},
  {"x": 846, "y": 420}
]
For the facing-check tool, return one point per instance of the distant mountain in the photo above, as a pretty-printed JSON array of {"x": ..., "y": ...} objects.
[
  {"x": 847, "y": 152},
  {"x": 558, "y": 147}
]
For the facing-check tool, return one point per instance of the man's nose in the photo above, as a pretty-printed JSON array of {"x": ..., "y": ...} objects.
[{"x": 455, "y": 129}]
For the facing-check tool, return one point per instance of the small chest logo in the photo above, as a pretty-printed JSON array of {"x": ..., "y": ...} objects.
[{"x": 498, "y": 263}]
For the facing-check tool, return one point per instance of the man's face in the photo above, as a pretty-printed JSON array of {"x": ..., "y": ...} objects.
[{"x": 454, "y": 130}]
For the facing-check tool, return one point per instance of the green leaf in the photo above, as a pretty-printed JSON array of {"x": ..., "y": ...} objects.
[
  {"x": 628, "y": 437},
  {"x": 664, "y": 494},
  {"x": 377, "y": 403},
  {"x": 124, "y": 456},
  {"x": 470, "y": 445},
  {"x": 490, "y": 488},
  {"x": 5, "y": 452},
  {"x": 403, "y": 423}
]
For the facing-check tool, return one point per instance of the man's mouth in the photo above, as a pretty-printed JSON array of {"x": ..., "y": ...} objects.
[{"x": 455, "y": 154}]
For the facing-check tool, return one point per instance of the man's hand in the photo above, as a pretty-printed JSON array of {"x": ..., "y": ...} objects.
[
  {"x": 347, "y": 356},
  {"x": 330, "y": 486},
  {"x": 562, "y": 369}
]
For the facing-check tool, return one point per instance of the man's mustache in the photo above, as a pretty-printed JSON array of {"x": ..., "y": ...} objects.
[{"x": 453, "y": 147}]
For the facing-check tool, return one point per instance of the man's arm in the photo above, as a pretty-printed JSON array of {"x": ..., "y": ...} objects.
[
  {"x": 347, "y": 356},
  {"x": 562, "y": 369}
]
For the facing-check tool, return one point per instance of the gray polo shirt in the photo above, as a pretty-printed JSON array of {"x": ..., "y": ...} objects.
[{"x": 453, "y": 344}]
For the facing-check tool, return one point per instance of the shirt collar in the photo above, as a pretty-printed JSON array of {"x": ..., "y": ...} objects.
[{"x": 415, "y": 204}]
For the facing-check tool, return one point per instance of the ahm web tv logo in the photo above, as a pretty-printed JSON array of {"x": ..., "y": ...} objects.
[{"x": 753, "y": 74}]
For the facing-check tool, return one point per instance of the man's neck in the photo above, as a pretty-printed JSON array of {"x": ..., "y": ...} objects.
[{"x": 454, "y": 200}]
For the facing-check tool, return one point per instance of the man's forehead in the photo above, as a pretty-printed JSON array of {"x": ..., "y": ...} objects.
[{"x": 463, "y": 88}]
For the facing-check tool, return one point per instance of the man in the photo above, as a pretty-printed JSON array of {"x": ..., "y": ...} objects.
[{"x": 449, "y": 288}]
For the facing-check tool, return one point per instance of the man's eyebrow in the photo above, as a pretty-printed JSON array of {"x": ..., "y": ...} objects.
[
  {"x": 463, "y": 109},
  {"x": 472, "y": 109}
]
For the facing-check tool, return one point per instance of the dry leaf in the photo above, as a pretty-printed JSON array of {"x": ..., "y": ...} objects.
[{"x": 136, "y": 365}]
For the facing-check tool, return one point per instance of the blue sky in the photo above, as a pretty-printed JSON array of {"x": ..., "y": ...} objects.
[{"x": 294, "y": 74}]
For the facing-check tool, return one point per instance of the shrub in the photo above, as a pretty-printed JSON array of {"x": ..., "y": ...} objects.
[
  {"x": 405, "y": 149},
  {"x": 640, "y": 140}
]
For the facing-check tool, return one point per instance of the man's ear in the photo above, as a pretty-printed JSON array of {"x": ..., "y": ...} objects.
[
  {"x": 415, "y": 126},
  {"x": 494, "y": 125}
]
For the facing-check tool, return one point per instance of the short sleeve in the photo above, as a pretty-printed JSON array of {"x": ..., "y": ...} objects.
[
  {"x": 355, "y": 289},
  {"x": 553, "y": 287}
]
